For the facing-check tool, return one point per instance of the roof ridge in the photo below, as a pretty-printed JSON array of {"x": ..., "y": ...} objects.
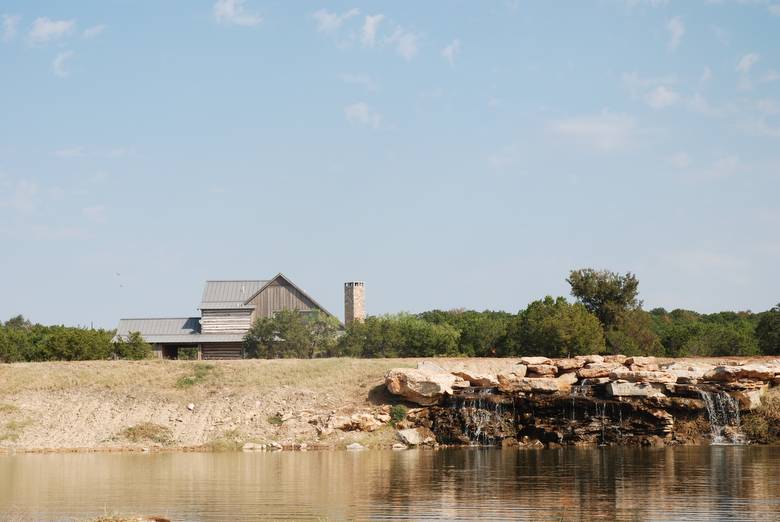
[
  {"x": 157, "y": 318},
  {"x": 235, "y": 280}
]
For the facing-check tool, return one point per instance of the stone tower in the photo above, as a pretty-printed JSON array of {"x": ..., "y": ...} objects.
[{"x": 354, "y": 302}]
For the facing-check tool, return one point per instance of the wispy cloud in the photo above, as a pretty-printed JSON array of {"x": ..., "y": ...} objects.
[
  {"x": 58, "y": 64},
  {"x": 70, "y": 152},
  {"x": 233, "y": 12},
  {"x": 723, "y": 167},
  {"x": 405, "y": 42},
  {"x": 22, "y": 196},
  {"x": 747, "y": 62},
  {"x": 450, "y": 52},
  {"x": 96, "y": 214},
  {"x": 362, "y": 80},
  {"x": 361, "y": 113},
  {"x": 369, "y": 30},
  {"x": 45, "y": 30},
  {"x": 328, "y": 22},
  {"x": 10, "y": 26},
  {"x": 662, "y": 97},
  {"x": 676, "y": 29},
  {"x": 603, "y": 132},
  {"x": 93, "y": 31},
  {"x": 774, "y": 9},
  {"x": 680, "y": 160}
]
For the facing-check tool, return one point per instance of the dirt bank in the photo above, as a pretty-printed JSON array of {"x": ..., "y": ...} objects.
[{"x": 134, "y": 405}]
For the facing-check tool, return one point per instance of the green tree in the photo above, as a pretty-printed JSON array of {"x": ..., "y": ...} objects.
[
  {"x": 605, "y": 294},
  {"x": 401, "y": 335},
  {"x": 482, "y": 334},
  {"x": 134, "y": 347},
  {"x": 556, "y": 328},
  {"x": 290, "y": 333},
  {"x": 768, "y": 331},
  {"x": 632, "y": 334}
]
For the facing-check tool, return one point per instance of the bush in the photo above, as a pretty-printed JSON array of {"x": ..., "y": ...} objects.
[
  {"x": 402, "y": 335},
  {"x": 200, "y": 371},
  {"x": 148, "y": 432},
  {"x": 134, "y": 347},
  {"x": 398, "y": 413}
]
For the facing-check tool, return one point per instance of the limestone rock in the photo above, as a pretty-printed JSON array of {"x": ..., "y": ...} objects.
[
  {"x": 632, "y": 389},
  {"x": 749, "y": 399},
  {"x": 597, "y": 369},
  {"x": 422, "y": 385},
  {"x": 399, "y": 446},
  {"x": 475, "y": 376},
  {"x": 642, "y": 376},
  {"x": 687, "y": 372},
  {"x": 417, "y": 436},
  {"x": 511, "y": 383},
  {"x": 251, "y": 446},
  {"x": 565, "y": 365},
  {"x": 543, "y": 370},
  {"x": 355, "y": 446},
  {"x": 535, "y": 360},
  {"x": 753, "y": 371},
  {"x": 590, "y": 359},
  {"x": 620, "y": 359},
  {"x": 641, "y": 361}
]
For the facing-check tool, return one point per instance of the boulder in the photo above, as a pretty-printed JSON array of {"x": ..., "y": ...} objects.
[
  {"x": 590, "y": 359},
  {"x": 641, "y": 361},
  {"x": 749, "y": 399},
  {"x": 632, "y": 389},
  {"x": 543, "y": 370},
  {"x": 752, "y": 371},
  {"x": 687, "y": 372},
  {"x": 475, "y": 376},
  {"x": 511, "y": 383},
  {"x": 365, "y": 422},
  {"x": 642, "y": 376},
  {"x": 417, "y": 436},
  {"x": 355, "y": 446},
  {"x": 423, "y": 386},
  {"x": 596, "y": 369},
  {"x": 535, "y": 360},
  {"x": 566, "y": 365},
  {"x": 620, "y": 359}
]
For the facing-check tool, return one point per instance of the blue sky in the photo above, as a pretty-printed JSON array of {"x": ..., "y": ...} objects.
[{"x": 450, "y": 154}]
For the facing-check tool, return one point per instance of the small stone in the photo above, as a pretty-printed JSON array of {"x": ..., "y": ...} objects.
[
  {"x": 191, "y": 407},
  {"x": 355, "y": 446},
  {"x": 399, "y": 446},
  {"x": 416, "y": 436}
]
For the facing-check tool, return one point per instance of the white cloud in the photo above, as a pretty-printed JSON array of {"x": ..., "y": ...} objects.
[
  {"x": 58, "y": 64},
  {"x": 768, "y": 106},
  {"x": 405, "y": 42},
  {"x": 451, "y": 51},
  {"x": 706, "y": 75},
  {"x": 45, "y": 30},
  {"x": 23, "y": 196},
  {"x": 661, "y": 97},
  {"x": 724, "y": 167},
  {"x": 93, "y": 31},
  {"x": 233, "y": 12},
  {"x": 774, "y": 9},
  {"x": 96, "y": 213},
  {"x": 361, "y": 113},
  {"x": 362, "y": 80},
  {"x": 771, "y": 76},
  {"x": 328, "y": 22},
  {"x": 370, "y": 25},
  {"x": 70, "y": 152},
  {"x": 676, "y": 29},
  {"x": 603, "y": 132},
  {"x": 10, "y": 26},
  {"x": 680, "y": 160},
  {"x": 747, "y": 62}
]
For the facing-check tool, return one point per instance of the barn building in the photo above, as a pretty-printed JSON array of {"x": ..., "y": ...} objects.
[{"x": 227, "y": 311}]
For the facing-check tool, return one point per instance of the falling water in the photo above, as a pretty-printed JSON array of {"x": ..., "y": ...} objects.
[{"x": 723, "y": 412}]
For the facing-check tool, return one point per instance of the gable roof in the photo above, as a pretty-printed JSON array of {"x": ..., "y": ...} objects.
[
  {"x": 230, "y": 294},
  {"x": 288, "y": 281}
]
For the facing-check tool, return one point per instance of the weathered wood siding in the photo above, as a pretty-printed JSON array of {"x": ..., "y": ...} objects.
[
  {"x": 279, "y": 295},
  {"x": 210, "y": 351},
  {"x": 225, "y": 321}
]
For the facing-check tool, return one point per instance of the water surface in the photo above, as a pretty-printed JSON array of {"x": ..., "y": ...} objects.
[{"x": 689, "y": 483}]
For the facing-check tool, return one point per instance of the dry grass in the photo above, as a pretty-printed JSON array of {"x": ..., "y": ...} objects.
[
  {"x": 12, "y": 430},
  {"x": 230, "y": 440},
  {"x": 8, "y": 409},
  {"x": 148, "y": 432},
  {"x": 763, "y": 423}
]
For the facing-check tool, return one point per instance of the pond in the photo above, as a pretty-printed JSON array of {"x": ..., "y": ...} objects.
[{"x": 691, "y": 483}]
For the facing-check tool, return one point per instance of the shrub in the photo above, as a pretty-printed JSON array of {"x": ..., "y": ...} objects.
[
  {"x": 200, "y": 371},
  {"x": 398, "y": 413},
  {"x": 148, "y": 432}
]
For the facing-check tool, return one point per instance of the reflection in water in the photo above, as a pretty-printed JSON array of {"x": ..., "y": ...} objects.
[{"x": 692, "y": 483}]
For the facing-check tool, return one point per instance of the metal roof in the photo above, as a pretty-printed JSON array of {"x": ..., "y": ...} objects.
[
  {"x": 229, "y": 294},
  {"x": 173, "y": 330}
]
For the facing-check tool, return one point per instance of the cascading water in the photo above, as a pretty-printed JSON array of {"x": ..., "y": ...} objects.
[{"x": 723, "y": 413}]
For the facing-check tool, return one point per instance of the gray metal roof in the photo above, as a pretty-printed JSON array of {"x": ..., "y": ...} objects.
[
  {"x": 172, "y": 330},
  {"x": 229, "y": 294}
]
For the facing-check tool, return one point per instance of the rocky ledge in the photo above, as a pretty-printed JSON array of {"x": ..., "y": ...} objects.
[{"x": 585, "y": 400}]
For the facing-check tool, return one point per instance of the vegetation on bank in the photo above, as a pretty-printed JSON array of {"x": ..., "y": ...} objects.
[{"x": 605, "y": 316}]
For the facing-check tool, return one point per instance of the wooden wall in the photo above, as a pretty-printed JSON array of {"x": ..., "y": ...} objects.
[
  {"x": 225, "y": 321},
  {"x": 210, "y": 351},
  {"x": 279, "y": 295}
]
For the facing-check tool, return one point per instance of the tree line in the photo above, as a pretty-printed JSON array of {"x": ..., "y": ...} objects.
[{"x": 605, "y": 316}]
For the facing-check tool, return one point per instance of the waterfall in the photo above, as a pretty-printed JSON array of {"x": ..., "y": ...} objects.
[{"x": 723, "y": 413}]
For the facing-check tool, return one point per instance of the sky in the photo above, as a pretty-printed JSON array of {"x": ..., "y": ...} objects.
[{"x": 449, "y": 154}]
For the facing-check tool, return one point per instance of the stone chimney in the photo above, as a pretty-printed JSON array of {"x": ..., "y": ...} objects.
[{"x": 354, "y": 302}]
